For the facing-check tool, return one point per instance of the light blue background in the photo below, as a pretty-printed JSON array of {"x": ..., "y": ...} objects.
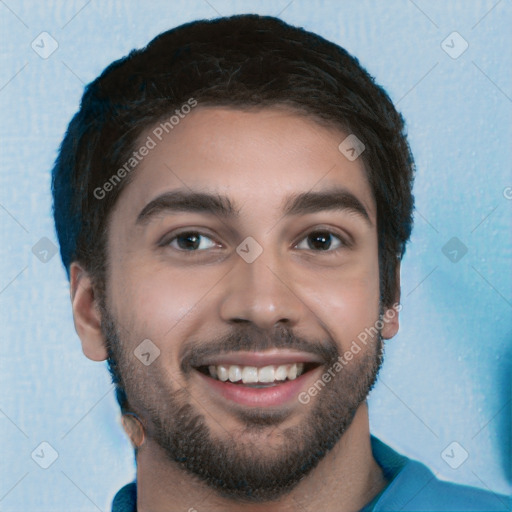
[{"x": 446, "y": 375}]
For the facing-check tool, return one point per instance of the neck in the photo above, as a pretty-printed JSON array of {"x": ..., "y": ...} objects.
[{"x": 346, "y": 479}]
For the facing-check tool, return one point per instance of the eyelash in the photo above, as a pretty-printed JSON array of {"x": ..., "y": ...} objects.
[{"x": 343, "y": 242}]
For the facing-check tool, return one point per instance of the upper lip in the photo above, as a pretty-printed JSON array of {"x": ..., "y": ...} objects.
[{"x": 260, "y": 359}]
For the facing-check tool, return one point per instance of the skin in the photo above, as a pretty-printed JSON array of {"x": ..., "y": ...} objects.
[{"x": 257, "y": 158}]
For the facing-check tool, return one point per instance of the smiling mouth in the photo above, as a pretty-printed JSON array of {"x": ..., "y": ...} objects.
[{"x": 257, "y": 377}]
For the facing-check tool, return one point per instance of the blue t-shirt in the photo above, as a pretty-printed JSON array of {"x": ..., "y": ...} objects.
[{"x": 412, "y": 487}]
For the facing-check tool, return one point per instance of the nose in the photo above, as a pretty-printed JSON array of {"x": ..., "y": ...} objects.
[{"x": 261, "y": 292}]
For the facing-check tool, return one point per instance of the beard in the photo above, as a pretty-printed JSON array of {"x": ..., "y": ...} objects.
[{"x": 241, "y": 466}]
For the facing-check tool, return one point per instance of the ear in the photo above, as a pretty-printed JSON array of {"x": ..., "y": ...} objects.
[
  {"x": 134, "y": 429},
  {"x": 391, "y": 313},
  {"x": 86, "y": 314}
]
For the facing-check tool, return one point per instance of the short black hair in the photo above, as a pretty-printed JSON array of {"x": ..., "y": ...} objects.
[{"x": 243, "y": 61}]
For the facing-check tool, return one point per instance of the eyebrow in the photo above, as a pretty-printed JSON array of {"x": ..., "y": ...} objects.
[{"x": 337, "y": 199}]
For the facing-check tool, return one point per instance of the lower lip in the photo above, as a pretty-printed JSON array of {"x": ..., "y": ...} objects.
[{"x": 277, "y": 395}]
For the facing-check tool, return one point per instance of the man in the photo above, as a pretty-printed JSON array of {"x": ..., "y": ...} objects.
[{"x": 232, "y": 204}]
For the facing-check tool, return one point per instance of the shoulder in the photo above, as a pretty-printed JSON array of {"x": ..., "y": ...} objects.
[
  {"x": 126, "y": 499},
  {"x": 441, "y": 495},
  {"x": 413, "y": 487},
  {"x": 416, "y": 488}
]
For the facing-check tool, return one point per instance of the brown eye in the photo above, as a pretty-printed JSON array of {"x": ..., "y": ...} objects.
[
  {"x": 190, "y": 241},
  {"x": 322, "y": 240}
]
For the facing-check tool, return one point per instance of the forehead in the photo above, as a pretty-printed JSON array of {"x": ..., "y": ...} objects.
[{"x": 255, "y": 157}]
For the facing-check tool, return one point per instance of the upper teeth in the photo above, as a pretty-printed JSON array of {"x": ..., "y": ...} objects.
[{"x": 252, "y": 374}]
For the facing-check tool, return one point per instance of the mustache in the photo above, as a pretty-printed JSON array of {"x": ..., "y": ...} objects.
[{"x": 254, "y": 339}]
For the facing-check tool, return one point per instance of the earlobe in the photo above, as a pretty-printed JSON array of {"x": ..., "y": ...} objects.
[
  {"x": 391, "y": 314},
  {"x": 134, "y": 428},
  {"x": 86, "y": 314}
]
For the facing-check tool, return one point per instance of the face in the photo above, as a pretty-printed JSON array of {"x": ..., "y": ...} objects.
[{"x": 245, "y": 249}]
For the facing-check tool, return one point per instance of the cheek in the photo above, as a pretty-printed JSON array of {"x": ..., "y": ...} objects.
[
  {"x": 348, "y": 301},
  {"x": 159, "y": 304},
  {"x": 151, "y": 304}
]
